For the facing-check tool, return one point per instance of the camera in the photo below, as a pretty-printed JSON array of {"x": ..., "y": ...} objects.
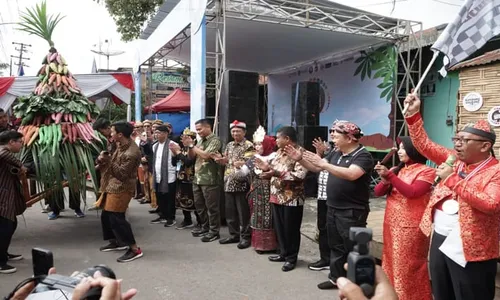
[
  {"x": 48, "y": 286},
  {"x": 361, "y": 265}
]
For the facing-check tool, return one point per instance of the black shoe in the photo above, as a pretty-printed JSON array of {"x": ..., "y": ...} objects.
[
  {"x": 244, "y": 244},
  {"x": 185, "y": 225},
  {"x": 210, "y": 237},
  {"x": 319, "y": 265},
  {"x": 154, "y": 211},
  {"x": 144, "y": 201},
  {"x": 327, "y": 285},
  {"x": 229, "y": 240},
  {"x": 170, "y": 223},
  {"x": 288, "y": 266},
  {"x": 6, "y": 269},
  {"x": 276, "y": 258},
  {"x": 130, "y": 255},
  {"x": 159, "y": 220},
  {"x": 199, "y": 232},
  {"x": 113, "y": 247},
  {"x": 14, "y": 257}
]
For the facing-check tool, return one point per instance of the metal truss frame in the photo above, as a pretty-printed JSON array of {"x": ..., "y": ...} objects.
[{"x": 314, "y": 14}]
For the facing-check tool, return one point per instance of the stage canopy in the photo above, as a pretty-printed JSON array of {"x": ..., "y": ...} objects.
[
  {"x": 118, "y": 86},
  {"x": 175, "y": 102},
  {"x": 271, "y": 36}
]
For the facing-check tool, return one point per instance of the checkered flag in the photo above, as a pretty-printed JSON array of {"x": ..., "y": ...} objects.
[{"x": 477, "y": 22}]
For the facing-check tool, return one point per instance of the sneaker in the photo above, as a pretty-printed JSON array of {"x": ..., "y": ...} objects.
[
  {"x": 53, "y": 216},
  {"x": 6, "y": 269},
  {"x": 199, "y": 232},
  {"x": 210, "y": 237},
  {"x": 79, "y": 214},
  {"x": 319, "y": 265},
  {"x": 112, "y": 247},
  {"x": 154, "y": 211},
  {"x": 170, "y": 223},
  {"x": 14, "y": 257},
  {"x": 327, "y": 285},
  {"x": 185, "y": 225},
  {"x": 158, "y": 221},
  {"x": 130, "y": 255},
  {"x": 46, "y": 209}
]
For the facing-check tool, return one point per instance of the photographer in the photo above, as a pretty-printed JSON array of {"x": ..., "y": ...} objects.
[
  {"x": 383, "y": 288},
  {"x": 111, "y": 288}
]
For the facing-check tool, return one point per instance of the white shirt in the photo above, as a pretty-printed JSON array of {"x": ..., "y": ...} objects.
[
  {"x": 172, "y": 175},
  {"x": 158, "y": 158}
]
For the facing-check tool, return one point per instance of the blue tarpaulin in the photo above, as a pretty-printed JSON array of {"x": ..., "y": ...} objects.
[{"x": 179, "y": 120}]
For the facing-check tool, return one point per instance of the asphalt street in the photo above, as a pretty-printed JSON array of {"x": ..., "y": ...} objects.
[{"x": 175, "y": 264}]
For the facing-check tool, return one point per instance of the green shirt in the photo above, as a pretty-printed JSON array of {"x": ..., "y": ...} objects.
[{"x": 207, "y": 171}]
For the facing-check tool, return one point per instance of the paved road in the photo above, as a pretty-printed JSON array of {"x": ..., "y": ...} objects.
[{"x": 175, "y": 265}]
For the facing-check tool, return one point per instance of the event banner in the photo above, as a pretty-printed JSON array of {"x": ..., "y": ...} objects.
[{"x": 358, "y": 89}]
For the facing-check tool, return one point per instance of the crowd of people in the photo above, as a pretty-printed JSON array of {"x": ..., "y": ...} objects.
[{"x": 445, "y": 226}]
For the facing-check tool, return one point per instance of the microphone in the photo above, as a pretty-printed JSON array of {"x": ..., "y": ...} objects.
[{"x": 449, "y": 161}]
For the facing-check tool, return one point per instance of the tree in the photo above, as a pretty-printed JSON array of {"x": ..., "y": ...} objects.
[
  {"x": 3, "y": 66},
  {"x": 130, "y": 15}
]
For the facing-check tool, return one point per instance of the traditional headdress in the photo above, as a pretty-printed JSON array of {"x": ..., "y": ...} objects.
[
  {"x": 238, "y": 124},
  {"x": 481, "y": 128},
  {"x": 350, "y": 129},
  {"x": 259, "y": 135},
  {"x": 188, "y": 131},
  {"x": 268, "y": 143}
]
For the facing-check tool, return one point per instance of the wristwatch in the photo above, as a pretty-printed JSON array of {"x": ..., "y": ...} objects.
[{"x": 191, "y": 146}]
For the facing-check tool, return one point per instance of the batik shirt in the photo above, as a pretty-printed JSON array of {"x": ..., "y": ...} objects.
[
  {"x": 241, "y": 151},
  {"x": 287, "y": 187},
  {"x": 207, "y": 170}
]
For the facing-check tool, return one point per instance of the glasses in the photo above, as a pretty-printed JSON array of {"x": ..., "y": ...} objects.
[{"x": 461, "y": 140}]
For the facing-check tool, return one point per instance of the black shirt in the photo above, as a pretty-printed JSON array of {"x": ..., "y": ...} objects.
[{"x": 346, "y": 194}]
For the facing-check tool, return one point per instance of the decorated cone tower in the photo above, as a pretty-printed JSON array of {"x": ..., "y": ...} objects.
[{"x": 56, "y": 117}]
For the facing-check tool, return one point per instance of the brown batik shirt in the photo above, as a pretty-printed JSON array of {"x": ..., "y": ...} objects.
[
  {"x": 287, "y": 186},
  {"x": 241, "y": 151}
]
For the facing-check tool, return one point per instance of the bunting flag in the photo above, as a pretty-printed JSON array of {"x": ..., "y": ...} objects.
[{"x": 477, "y": 22}]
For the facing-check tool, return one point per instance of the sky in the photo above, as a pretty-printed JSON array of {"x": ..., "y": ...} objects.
[{"x": 87, "y": 23}]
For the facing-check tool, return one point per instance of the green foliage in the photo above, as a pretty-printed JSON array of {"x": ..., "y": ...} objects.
[
  {"x": 130, "y": 15},
  {"x": 382, "y": 64},
  {"x": 36, "y": 21}
]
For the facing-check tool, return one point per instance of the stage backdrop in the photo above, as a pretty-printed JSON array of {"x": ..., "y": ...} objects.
[{"x": 358, "y": 89}]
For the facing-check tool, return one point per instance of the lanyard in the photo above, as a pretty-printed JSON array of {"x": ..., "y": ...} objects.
[{"x": 477, "y": 169}]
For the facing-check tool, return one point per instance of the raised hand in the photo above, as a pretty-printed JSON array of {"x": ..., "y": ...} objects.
[
  {"x": 413, "y": 104},
  {"x": 381, "y": 170},
  {"x": 264, "y": 166},
  {"x": 320, "y": 146},
  {"x": 314, "y": 159},
  {"x": 293, "y": 153}
]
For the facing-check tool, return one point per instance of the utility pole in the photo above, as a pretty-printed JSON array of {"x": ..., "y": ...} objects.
[{"x": 22, "y": 50}]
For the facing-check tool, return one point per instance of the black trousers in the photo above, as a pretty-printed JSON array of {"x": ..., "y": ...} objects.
[
  {"x": 238, "y": 215},
  {"x": 338, "y": 223},
  {"x": 7, "y": 229},
  {"x": 324, "y": 249},
  {"x": 188, "y": 218},
  {"x": 116, "y": 227},
  {"x": 450, "y": 281},
  {"x": 56, "y": 202},
  {"x": 166, "y": 202},
  {"x": 287, "y": 222}
]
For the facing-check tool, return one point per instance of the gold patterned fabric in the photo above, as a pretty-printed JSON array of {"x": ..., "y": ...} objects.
[{"x": 121, "y": 173}]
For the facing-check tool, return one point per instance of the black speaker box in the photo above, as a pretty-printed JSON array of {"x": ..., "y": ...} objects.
[
  {"x": 239, "y": 101},
  {"x": 306, "y": 104},
  {"x": 307, "y": 134}
]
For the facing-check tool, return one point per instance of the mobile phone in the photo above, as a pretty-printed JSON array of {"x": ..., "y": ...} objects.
[{"x": 43, "y": 260}]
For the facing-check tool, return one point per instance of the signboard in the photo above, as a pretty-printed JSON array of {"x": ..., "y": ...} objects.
[
  {"x": 473, "y": 101},
  {"x": 494, "y": 116}
]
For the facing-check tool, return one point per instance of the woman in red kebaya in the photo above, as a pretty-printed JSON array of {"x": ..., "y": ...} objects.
[{"x": 408, "y": 189}]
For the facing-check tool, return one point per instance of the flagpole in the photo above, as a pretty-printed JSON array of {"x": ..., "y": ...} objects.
[{"x": 422, "y": 78}]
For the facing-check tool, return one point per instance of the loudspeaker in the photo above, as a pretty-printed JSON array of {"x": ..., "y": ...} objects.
[
  {"x": 306, "y": 135},
  {"x": 306, "y": 104},
  {"x": 239, "y": 101}
]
